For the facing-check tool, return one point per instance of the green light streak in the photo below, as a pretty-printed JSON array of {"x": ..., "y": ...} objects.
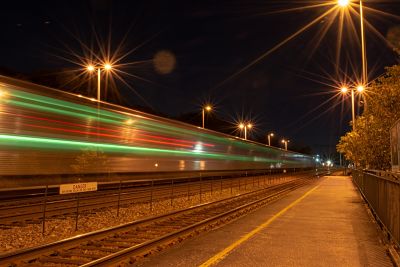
[
  {"x": 76, "y": 110},
  {"x": 49, "y": 143},
  {"x": 66, "y": 108}
]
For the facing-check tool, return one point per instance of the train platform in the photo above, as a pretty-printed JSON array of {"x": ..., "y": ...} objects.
[{"x": 323, "y": 224}]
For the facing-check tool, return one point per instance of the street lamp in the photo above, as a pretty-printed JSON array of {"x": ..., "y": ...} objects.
[
  {"x": 107, "y": 66},
  {"x": 245, "y": 126},
  {"x": 344, "y": 90},
  {"x": 203, "y": 111},
  {"x": 285, "y": 142},
  {"x": 269, "y": 138},
  {"x": 345, "y": 3},
  {"x": 91, "y": 68}
]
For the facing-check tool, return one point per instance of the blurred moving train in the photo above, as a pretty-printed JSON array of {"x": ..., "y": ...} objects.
[{"x": 45, "y": 131}]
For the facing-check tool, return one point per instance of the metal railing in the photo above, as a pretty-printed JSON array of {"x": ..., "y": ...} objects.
[{"x": 382, "y": 192}]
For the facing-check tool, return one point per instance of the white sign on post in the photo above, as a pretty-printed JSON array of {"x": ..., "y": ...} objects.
[{"x": 78, "y": 188}]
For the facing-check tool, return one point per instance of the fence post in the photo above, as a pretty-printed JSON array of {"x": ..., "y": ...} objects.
[
  {"x": 188, "y": 190},
  {"x": 270, "y": 174},
  {"x": 151, "y": 195},
  {"x": 119, "y": 197},
  {"x": 200, "y": 191},
  {"x": 44, "y": 209},
  {"x": 172, "y": 192},
  {"x": 77, "y": 213},
  {"x": 245, "y": 183}
]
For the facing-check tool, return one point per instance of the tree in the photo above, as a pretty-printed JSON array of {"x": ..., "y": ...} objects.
[{"x": 369, "y": 144}]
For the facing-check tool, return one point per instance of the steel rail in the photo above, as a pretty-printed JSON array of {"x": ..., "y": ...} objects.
[
  {"x": 29, "y": 254},
  {"x": 60, "y": 207},
  {"x": 145, "y": 247}
]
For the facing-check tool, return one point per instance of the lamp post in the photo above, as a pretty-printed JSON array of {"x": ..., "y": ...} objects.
[
  {"x": 360, "y": 90},
  {"x": 363, "y": 55},
  {"x": 285, "y": 142},
  {"x": 92, "y": 68},
  {"x": 203, "y": 111},
  {"x": 245, "y": 126},
  {"x": 364, "y": 76},
  {"x": 269, "y": 138}
]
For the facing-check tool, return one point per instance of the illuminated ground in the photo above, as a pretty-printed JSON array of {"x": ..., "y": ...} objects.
[{"x": 329, "y": 226}]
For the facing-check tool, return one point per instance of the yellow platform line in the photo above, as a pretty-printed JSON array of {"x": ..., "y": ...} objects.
[{"x": 221, "y": 255}]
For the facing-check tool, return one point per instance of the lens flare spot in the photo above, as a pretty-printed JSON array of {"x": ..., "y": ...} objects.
[{"x": 164, "y": 62}]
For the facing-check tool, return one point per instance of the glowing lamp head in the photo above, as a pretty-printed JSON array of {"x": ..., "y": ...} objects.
[
  {"x": 90, "y": 68},
  {"x": 249, "y": 125},
  {"x": 271, "y": 134},
  {"x": 283, "y": 141},
  {"x": 107, "y": 66},
  {"x": 344, "y": 90},
  {"x": 343, "y": 3},
  {"x": 208, "y": 107},
  {"x": 360, "y": 88},
  {"x": 241, "y": 126}
]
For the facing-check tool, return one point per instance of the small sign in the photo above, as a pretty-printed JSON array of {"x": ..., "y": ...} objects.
[{"x": 78, "y": 188}]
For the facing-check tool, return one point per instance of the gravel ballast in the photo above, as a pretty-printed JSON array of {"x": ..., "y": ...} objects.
[{"x": 30, "y": 235}]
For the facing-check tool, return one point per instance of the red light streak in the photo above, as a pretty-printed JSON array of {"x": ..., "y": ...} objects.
[
  {"x": 105, "y": 135},
  {"x": 139, "y": 132}
]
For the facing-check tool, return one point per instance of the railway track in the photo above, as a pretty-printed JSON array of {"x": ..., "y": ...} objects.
[
  {"x": 19, "y": 212},
  {"x": 123, "y": 244}
]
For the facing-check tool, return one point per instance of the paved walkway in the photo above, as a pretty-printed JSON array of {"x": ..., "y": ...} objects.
[{"x": 324, "y": 224}]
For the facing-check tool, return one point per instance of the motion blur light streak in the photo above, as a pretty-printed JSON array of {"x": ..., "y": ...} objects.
[
  {"x": 103, "y": 129},
  {"x": 85, "y": 112},
  {"x": 106, "y": 135},
  {"x": 70, "y": 109},
  {"x": 52, "y": 132},
  {"x": 38, "y": 142}
]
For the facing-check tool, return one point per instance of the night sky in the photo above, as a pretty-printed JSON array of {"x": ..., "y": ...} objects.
[{"x": 209, "y": 41}]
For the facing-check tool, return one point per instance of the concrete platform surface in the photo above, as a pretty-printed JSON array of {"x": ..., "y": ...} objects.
[{"x": 322, "y": 224}]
